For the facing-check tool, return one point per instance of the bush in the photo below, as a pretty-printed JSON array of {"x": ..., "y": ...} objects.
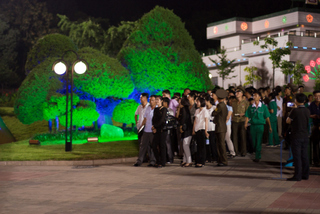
[{"x": 124, "y": 111}]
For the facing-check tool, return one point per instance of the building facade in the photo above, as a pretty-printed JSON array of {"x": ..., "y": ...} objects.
[{"x": 299, "y": 25}]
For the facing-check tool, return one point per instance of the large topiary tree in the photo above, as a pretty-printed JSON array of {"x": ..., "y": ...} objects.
[{"x": 160, "y": 54}]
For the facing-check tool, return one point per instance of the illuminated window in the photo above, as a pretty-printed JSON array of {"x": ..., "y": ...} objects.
[
  {"x": 284, "y": 20},
  {"x": 215, "y": 30},
  {"x": 309, "y": 18},
  {"x": 244, "y": 26},
  {"x": 266, "y": 24}
]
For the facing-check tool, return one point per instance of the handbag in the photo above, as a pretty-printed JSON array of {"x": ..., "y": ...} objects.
[{"x": 193, "y": 146}]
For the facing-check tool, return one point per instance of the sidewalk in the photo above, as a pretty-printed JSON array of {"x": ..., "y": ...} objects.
[{"x": 241, "y": 187}]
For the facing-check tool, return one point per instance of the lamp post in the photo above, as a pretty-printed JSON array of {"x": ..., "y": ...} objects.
[{"x": 60, "y": 67}]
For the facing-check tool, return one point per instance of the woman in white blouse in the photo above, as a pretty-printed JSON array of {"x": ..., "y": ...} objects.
[
  {"x": 211, "y": 149},
  {"x": 200, "y": 129}
]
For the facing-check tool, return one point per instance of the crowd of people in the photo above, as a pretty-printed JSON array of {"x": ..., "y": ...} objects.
[{"x": 218, "y": 125}]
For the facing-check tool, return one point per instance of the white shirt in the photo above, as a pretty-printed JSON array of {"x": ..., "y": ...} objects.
[
  {"x": 279, "y": 104},
  {"x": 211, "y": 125},
  {"x": 140, "y": 112},
  {"x": 199, "y": 118},
  {"x": 148, "y": 115},
  {"x": 259, "y": 105}
]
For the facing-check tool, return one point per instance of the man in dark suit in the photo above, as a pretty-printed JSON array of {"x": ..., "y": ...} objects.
[{"x": 220, "y": 119}]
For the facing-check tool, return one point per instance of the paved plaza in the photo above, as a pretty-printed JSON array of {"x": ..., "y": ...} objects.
[{"x": 241, "y": 187}]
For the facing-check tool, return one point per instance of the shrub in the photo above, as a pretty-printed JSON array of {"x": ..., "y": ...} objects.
[
  {"x": 124, "y": 111},
  {"x": 109, "y": 131}
]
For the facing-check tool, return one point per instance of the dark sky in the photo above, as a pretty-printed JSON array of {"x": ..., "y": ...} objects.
[{"x": 196, "y": 14}]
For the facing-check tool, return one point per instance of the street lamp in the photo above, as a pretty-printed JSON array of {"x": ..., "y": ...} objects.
[{"x": 60, "y": 67}]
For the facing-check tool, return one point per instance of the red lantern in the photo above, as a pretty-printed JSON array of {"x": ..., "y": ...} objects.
[
  {"x": 309, "y": 18},
  {"x": 306, "y": 78},
  {"x": 244, "y": 26},
  {"x": 215, "y": 30},
  {"x": 312, "y": 63},
  {"x": 266, "y": 24},
  {"x": 307, "y": 68}
]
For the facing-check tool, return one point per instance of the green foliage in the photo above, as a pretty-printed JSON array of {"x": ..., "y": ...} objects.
[
  {"x": 296, "y": 70},
  {"x": 124, "y": 111},
  {"x": 224, "y": 66},
  {"x": 52, "y": 45},
  {"x": 105, "y": 77},
  {"x": 36, "y": 89},
  {"x": 76, "y": 135},
  {"x": 251, "y": 77},
  {"x": 109, "y": 131},
  {"x": 160, "y": 54},
  {"x": 56, "y": 106}
]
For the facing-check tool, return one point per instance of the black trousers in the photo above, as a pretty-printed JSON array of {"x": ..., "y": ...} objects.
[
  {"x": 201, "y": 147},
  {"x": 221, "y": 148},
  {"x": 249, "y": 141},
  {"x": 299, "y": 148},
  {"x": 211, "y": 149},
  {"x": 315, "y": 139},
  {"x": 160, "y": 147},
  {"x": 239, "y": 132}
]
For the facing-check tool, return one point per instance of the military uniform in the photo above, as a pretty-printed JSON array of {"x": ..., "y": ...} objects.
[
  {"x": 220, "y": 118},
  {"x": 238, "y": 128},
  {"x": 257, "y": 115}
]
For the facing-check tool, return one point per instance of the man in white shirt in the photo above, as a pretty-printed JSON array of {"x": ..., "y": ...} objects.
[
  {"x": 147, "y": 137},
  {"x": 140, "y": 112}
]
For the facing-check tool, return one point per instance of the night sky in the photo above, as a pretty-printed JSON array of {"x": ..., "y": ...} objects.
[{"x": 196, "y": 14}]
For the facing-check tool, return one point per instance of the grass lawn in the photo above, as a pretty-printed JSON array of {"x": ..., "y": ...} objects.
[{"x": 22, "y": 151}]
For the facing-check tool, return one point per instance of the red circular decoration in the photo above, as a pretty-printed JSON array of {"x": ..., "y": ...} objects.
[
  {"x": 244, "y": 26},
  {"x": 306, "y": 78},
  {"x": 318, "y": 61},
  {"x": 312, "y": 63},
  {"x": 215, "y": 30},
  {"x": 309, "y": 18},
  {"x": 307, "y": 68},
  {"x": 266, "y": 24}
]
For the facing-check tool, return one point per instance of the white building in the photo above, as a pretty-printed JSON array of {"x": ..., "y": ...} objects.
[{"x": 299, "y": 25}]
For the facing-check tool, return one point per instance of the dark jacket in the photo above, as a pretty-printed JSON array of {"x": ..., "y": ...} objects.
[
  {"x": 186, "y": 119},
  {"x": 220, "y": 117},
  {"x": 159, "y": 118}
]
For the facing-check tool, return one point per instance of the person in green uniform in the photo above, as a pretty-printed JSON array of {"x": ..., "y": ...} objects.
[
  {"x": 220, "y": 119},
  {"x": 273, "y": 136},
  {"x": 258, "y": 114}
]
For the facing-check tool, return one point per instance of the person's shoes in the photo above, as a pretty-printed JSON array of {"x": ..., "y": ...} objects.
[
  {"x": 270, "y": 145},
  {"x": 293, "y": 179},
  {"x": 150, "y": 165},
  {"x": 159, "y": 166},
  {"x": 304, "y": 178},
  {"x": 182, "y": 164},
  {"x": 256, "y": 160},
  {"x": 199, "y": 166},
  {"x": 243, "y": 155},
  {"x": 187, "y": 165},
  {"x": 136, "y": 164},
  {"x": 221, "y": 164},
  {"x": 278, "y": 145}
]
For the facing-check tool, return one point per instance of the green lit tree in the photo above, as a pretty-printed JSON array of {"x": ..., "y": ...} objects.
[
  {"x": 275, "y": 53},
  {"x": 295, "y": 70},
  {"x": 251, "y": 77},
  {"x": 124, "y": 111},
  {"x": 160, "y": 54},
  {"x": 224, "y": 66}
]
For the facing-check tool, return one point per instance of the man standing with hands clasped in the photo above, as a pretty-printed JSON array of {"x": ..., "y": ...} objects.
[
  {"x": 258, "y": 114},
  {"x": 220, "y": 119},
  {"x": 299, "y": 120}
]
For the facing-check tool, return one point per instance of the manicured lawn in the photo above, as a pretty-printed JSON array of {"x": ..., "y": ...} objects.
[{"x": 22, "y": 151}]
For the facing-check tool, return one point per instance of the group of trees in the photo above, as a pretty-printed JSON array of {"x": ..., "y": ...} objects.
[
  {"x": 295, "y": 70},
  {"x": 149, "y": 55}
]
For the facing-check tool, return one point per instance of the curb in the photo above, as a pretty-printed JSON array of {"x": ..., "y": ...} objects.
[{"x": 69, "y": 163}]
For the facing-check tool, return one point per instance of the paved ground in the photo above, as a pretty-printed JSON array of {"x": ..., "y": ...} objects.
[{"x": 242, "y": 187}]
